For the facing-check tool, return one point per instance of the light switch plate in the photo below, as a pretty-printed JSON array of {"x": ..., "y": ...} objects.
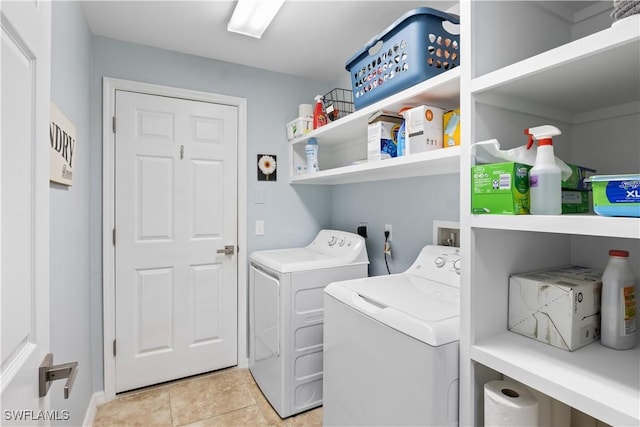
[{"x": 259, "y": 227}]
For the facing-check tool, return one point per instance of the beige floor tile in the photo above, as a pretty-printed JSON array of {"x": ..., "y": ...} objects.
[
  {"x": 143, "y": 408},
  {"x": 224, "y": 398},
  {"x": 272, "y": 417},
  {"x": 249, "y": 416},
  {"x": 209, "y": 396},
  {"x": 309, "y": 418}
]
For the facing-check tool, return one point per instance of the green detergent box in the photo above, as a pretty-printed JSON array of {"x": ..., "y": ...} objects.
[
  {"x": 500, "y": 188},
  {"x": 575, "y": 202},
  {"x": 579, "y": 179}
]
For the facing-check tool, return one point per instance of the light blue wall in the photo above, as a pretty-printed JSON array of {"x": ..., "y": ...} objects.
[
  {"x": 292, "y": 215},
  {"x": 70, "y": 280},
  {"x": 410, "y": 205}
]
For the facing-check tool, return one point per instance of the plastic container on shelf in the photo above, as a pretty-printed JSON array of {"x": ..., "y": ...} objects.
[
  {"x": 417, "y": 46},
  {"x": 618, "y": 327},
  {"x": 311, "y": 150},
  {"x": 616, "y": 195},
  {"x": 298, "y": 127}
]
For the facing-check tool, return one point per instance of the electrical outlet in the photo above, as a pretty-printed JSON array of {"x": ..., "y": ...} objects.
[{"x": 387, "y": 227}]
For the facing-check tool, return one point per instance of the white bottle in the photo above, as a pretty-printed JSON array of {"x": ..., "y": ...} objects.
[
  {"x": 618, "y": 317},
  {"x": 545, "y": 181},
  {"x": 311, "y": 150}
]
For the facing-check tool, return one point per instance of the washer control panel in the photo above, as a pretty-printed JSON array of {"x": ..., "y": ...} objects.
[
  {"x": 438, "y": 263},
  {"x": 338, "y": 243}
]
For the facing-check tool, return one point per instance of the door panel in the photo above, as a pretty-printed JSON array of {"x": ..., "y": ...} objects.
[
  {"x": 24, "y": 206},
  {"x": 176, "y": 206}
]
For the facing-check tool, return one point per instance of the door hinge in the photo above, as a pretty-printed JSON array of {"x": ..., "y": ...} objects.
[
  {"x": 114, "y": 348},
  {"x": 114, "y": 236},
  {"x": 114, "y": 124}
]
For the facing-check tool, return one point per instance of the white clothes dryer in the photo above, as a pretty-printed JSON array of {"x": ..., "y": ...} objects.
[
  {"x": 391, "y": 350},
  {"x": 286, "y": 315}
]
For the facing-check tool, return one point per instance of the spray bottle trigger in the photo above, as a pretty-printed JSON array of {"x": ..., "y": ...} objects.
[{"x": 530, "y": 142}]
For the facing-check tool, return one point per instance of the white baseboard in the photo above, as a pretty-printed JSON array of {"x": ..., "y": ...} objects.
[{"x": 97, "y": 398}]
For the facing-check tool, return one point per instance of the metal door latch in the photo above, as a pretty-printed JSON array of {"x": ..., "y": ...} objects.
[
  {"x": 49, "y": 373},
  {"x": 228, "y": 250}
]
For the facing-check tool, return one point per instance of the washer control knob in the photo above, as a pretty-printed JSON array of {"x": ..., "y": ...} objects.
[
  {"x": 332, "y": 240},
  {"x": 341, "y": 242},
  {"x": 456, "y": 265},
  {"x": 440, "y": 262}
]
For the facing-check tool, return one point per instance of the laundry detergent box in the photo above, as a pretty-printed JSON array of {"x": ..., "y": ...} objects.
[
  {"x": 559, "y": 306},
  {"x": 423, "y": 129},
  {"x": 451, "y": 134},
  {"x": 575, "y": 202},
  {"x": 382, "y": 137},
  {"x": 500, "y": 188}
]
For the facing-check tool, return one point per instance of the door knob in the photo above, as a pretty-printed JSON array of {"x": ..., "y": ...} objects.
[
  {"x": 49, "y": 372},
  {"x": 228, "y": 250}
]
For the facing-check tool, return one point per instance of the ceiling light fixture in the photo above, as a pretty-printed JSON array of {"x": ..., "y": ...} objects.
[{"x": 252, "y": 17}]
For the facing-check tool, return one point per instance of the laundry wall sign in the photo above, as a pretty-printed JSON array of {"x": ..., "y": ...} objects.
[{"x": 62, "y": 135}]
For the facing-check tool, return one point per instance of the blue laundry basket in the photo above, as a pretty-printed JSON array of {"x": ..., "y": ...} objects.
[{"x": 414, "y": 48}]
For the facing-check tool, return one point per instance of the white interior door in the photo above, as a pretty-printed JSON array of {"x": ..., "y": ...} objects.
[
  {"x": 24, "y": 206},
  {"x": 175, "y": 210}
]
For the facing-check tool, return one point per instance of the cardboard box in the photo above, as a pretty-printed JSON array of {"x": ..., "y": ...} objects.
[
  {"x": 500, "y": 188},
  {"x": 560, "y": 306},
  {"x": 451, "y": 133},
  {"x": 423, "y": 129},
  {"x": 574, "y": 202},
  {"x": 577, "y": 179},
  {"x": 382, "y": 140}
]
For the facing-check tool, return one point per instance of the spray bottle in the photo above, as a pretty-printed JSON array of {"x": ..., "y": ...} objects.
[
  {"x": 545, "y": 177},
  {"x": 319, "y": 116}
]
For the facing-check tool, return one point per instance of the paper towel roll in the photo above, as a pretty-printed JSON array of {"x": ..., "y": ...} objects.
[
  {"x": 508, "y": 404},
  {"x": 305, "y": 110}
]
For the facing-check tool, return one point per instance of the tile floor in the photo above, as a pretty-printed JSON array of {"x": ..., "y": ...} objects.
[{"x": 223, "y": 398}]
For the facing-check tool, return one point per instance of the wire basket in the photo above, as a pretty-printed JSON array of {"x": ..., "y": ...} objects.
[{"x": 338, "y": 103}]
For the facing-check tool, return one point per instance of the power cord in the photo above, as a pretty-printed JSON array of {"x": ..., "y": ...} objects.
[{"x": 387, "y": 249}]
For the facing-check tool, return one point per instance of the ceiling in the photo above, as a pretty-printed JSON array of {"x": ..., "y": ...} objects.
[
  {"x": 312, "y": 39},
  {"x": 308, "y": 38}
]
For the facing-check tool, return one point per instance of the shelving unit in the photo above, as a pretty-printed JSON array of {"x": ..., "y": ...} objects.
[
  {"x": 344, "y": 141},
  {"x": 582, "y": 75},
  {"x": 524, "y": 64}
]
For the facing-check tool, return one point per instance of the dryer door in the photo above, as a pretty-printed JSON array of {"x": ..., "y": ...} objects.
[{"x": 264, "y": 314}]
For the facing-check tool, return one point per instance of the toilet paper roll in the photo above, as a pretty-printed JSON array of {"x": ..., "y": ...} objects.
[
  {"x": 551, "y": 413},
  {"x": 305, "y": 110},
  {"x": 507, "y": 404}
]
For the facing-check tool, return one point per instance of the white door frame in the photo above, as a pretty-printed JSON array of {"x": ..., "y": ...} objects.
[{"x": 109, "y": 87}]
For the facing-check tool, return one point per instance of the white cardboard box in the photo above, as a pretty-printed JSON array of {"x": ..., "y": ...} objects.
[
  {"x": 559, "y": 306},
  {"x": 423, "y": 129}
]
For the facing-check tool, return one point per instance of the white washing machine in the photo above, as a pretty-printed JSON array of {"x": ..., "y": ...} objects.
[
  {"x": 391, "y": 349},
  {"x": 286, "y": 315}
]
